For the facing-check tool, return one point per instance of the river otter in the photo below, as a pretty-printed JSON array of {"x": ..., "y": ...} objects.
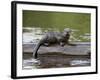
[{"x": 49, "y": 38}]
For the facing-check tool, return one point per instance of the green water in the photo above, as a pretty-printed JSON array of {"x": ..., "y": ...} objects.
[{"x": 59, "y": 20}]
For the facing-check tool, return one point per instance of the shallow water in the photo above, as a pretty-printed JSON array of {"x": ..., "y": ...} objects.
[{"x": 56, "y": 60}]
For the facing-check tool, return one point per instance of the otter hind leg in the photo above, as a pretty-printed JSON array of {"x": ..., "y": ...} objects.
[{"x": 46, "y": 44}]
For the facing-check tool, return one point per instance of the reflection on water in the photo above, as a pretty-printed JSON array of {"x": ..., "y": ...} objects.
[
  {"x": 80, "y": 62},
  {"x": 30, "y": 63},
  {"x": 56, "y": 61},
  {"x": 33, "y": 35}
]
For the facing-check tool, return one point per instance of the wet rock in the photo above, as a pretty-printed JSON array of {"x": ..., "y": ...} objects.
[{"x": 81, "y": 48}]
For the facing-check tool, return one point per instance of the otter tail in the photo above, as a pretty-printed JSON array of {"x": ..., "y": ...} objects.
[{"x": 35, "y": 50}]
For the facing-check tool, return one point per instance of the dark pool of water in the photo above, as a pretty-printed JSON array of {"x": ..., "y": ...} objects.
[{"x": 56, "y": 60}]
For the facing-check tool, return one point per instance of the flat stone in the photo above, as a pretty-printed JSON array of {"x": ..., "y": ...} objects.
[{"x": 81, "y": 48}]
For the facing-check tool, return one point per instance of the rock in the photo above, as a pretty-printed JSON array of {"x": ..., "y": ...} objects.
[{"x": 81, "y": 48}]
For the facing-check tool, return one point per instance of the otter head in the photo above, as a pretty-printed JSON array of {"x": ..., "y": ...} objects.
[{"x": 66, "y": 32}]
